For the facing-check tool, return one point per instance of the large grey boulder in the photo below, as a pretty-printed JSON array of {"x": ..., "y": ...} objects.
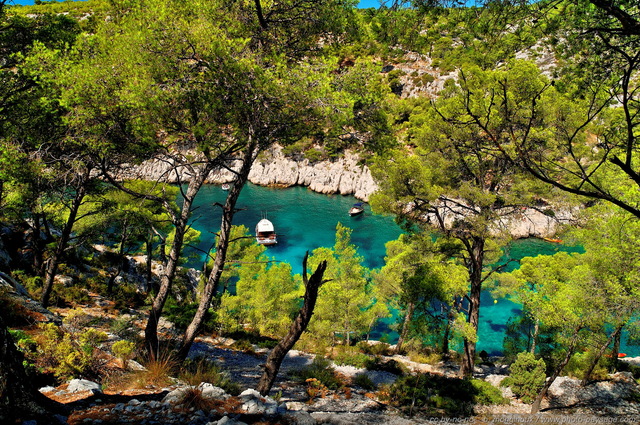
[
  {"x": 255, "y": 404},
  {"x": 80, "y": 385},
  {"x": 213, "y": 392}
]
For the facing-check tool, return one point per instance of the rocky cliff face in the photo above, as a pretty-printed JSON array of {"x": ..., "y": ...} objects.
[{"x": 343, "y": 175}]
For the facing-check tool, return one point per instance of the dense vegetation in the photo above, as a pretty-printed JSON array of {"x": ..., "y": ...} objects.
[{"x": 513, "y": 109}]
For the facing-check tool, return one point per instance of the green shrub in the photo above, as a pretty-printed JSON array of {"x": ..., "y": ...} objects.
[
  {"x": 296, "y": 148},
  {"x": 314, "y": 155},
  {"x": 579, "y": 364},
  {"x": 268, "y": 343},
  {"x": 321, "y": 370},
  {"x": 126, "y": 296},
  {"x": 527, "y": 377},
  {"x": 21, "y": 338},
  {"x": 351, "y": 357},
  {"x": 124, "y": 328},
  {"x": 253, "y": 338},
  {"x": 77, "y": 295},
  {"x": 91, "y": 337},
  {"x": 359, "y": 360},
  {"x": 379, "y": 349},
  {"x": 425, "y": 358},
  {"x": 33, "y": 284},
  {"x": 77, "y": 319},
  {"x": 63, "y": 296},
  {"x": 200, "y": 369},
  {"x": 67, "y": 355},
  {"x": 243, "y": 345},
  {"x": 434, "y": 395},
  {"x": 27, "y": 346},
  {"x": 391, "y": 366},
  {"x": 427, "y": 78},
  {"x": 487, "y": 394},
  {"x": 123, "y": 350},
  {"x": 181, "y": 314},
  {"x": 362, "y": 380}
]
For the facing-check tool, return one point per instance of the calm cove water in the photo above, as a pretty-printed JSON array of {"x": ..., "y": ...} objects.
[{"x": 305, "y": 220}]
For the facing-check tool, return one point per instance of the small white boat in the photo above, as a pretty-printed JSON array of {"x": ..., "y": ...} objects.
[
  {"x": 226, "y": 186},
  {"x": 356, "y": 209},
  {"x": 265, "y": 233}
]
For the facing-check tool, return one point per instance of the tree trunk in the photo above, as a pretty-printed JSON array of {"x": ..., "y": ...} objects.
[
  {"x": 120, "y": 260},
  {"x": 535, "y": 407},
  {"x": 228, "y": 211},
  {"x": 615, "y": 351},
  {"x": 594, "y": 362},
  {"x": 166, "y": 279},
  {"x": 447, "y": 334},
  {"x": 405, "y": 326},
  {"x": 476, "y": 259},
  {"x": 299, "y": 325},
  {"x": 534, "y": 337},
  {"x": 19, "y": 400},
  {"x": 37, "y": 245},
  {"x": 148, "y": 265},
  {"x": 56, "y": 257}
]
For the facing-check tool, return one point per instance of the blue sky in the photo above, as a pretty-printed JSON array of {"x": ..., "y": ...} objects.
[
  {"x": 363, "y": 3},
  {"x": 369, "y": 3}
]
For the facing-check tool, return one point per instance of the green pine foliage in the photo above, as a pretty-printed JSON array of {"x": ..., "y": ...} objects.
[
  {"x": 526, "y": 377},
  {"x": 319, "y": 370},
  {"x": 346, "y": 307},
  {"x": 441, "y": 396},
  {"x": 266, "y": 294},
  {"x": 68, "y": 355},
  {"x": 530, "y": 90}
]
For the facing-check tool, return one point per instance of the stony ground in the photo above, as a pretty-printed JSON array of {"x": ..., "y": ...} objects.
[
  {"x": 610, "y": 401},
  {"x": 600, "y": 403}
]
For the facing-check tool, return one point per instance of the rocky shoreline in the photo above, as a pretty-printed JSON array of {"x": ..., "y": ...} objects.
[{"x": 344, "y": 175}]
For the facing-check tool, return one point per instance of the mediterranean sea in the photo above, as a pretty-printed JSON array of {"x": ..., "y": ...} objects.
[{"x": 305, "y": 220}]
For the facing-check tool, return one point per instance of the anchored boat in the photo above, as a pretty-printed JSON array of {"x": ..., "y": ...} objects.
[
  {"x": 265, "y": 233},
  {"x": 356, "y": 209}
]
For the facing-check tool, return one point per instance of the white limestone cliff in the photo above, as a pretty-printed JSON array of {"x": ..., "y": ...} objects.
[{"x": 343, "y": 175}]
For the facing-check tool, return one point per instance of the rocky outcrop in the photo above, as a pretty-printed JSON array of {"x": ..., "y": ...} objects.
[
  {"x": 519, "y": 222},
  {"x": 343, "y": 175},
  {"x": 17, "y": 303},
  {"x": 533, "y": 222}
]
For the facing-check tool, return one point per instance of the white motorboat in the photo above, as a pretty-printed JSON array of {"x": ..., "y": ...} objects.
[{"x": 265, "y": 233}]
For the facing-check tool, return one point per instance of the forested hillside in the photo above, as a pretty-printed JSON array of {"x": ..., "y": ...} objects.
[{"x": 472, "y": 119}]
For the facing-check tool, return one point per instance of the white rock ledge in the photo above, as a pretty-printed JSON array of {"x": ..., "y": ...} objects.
[{"x": 343, "y": 175}]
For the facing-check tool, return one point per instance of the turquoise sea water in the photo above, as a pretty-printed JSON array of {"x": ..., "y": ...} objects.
[{"x": 305, "y": 220}]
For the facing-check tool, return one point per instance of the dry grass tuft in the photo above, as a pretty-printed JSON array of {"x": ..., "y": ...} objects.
[
  {"x": 200, "y": 369},
  {"x": 157, "y": 372},
  {"x": 192, "y": 398}
]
